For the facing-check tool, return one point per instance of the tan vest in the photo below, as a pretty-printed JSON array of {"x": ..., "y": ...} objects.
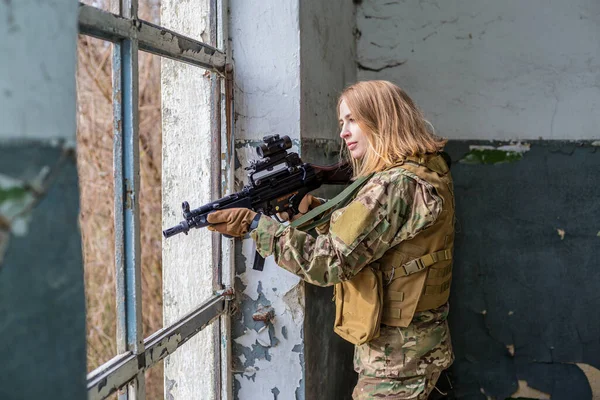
[
  {"x": 412, "y": 276},
  {"x": 417, "y": 272}
]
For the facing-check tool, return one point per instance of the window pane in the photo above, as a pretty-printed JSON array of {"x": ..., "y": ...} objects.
[
  {"x": 155, "y": 381},
  {"x": 150, "y": 192},
  {"x": 149, "y": 10},
  {"x": 106, "y": 5},
  {"x": 95, "y": 167}
]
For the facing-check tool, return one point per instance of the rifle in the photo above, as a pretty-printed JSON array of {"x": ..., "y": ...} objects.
[{"x": 277, "y": 182}]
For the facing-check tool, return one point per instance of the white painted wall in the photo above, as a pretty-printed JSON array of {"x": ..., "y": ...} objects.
[
  {"x": 187, "y": 269},
  {"x": 37, "y": 70},
  {"x": 265, "y": 46},
  {"x": 490, "y": 69}
]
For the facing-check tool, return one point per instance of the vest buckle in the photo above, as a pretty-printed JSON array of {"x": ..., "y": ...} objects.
[{"x": 413, "y": 266}]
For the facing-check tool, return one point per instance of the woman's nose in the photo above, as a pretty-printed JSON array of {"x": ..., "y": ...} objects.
[{"x": 344, "y": 133}]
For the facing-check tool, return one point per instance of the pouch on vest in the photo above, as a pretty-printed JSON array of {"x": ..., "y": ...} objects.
[{"x": 359, "y": 306}]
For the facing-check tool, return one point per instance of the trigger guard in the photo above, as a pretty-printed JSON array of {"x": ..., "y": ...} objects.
[{"x": 294, "y": 207}]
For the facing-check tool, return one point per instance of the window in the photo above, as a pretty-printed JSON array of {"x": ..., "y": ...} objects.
[{"x": 128, "y": 35}]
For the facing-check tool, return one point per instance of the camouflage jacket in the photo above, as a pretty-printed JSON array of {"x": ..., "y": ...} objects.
[{"x": 394, "y": 205}]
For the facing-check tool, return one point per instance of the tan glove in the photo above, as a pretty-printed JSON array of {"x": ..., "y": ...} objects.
[
  {"x": 307, "y": 203},
  {"x": 231, "y": 221}
]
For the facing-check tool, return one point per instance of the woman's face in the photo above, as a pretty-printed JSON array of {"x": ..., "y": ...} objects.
[{"x": 351, "y": 134}]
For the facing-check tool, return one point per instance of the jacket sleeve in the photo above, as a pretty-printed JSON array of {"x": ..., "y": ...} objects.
[{"x": 383, "y": 213}]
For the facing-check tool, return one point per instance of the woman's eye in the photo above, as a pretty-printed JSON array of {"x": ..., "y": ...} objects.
[{"x": 351, "y": 120}]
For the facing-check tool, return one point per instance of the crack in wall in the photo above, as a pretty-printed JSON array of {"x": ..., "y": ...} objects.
[{"x": 379, "y": 69}]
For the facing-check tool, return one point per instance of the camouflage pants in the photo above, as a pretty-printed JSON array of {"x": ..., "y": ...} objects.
[
  {"x": 404, "y": 363},
  {"x": 417, "y": 388}
]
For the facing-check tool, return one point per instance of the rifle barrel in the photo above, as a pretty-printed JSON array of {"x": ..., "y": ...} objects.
[{"x": 182, "y": 227}]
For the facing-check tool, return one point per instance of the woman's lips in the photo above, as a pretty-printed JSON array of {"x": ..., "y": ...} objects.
[{"x": 351, "y": 145}]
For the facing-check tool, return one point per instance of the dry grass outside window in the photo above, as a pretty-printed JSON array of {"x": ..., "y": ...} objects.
[{"x": 95, "y": 168}]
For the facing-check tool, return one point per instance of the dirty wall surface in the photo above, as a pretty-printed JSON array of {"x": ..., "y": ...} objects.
[
  {"x": 496, "y": 70},
  {"x": 267, "y": 356},
  {"x": 42, "y": 304},
  {"x": 42, "y": 307},
  {"x": 524, "y": 291},
  {"x": 287, "y": 84}
]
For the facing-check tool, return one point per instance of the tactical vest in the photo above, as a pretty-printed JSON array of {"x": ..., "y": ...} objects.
[
  {"x": 412, "y": 276},
  {"x": 417, "y": 272}
]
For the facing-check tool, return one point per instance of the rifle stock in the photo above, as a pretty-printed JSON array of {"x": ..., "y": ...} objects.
[{"x": 336, "y": 174}]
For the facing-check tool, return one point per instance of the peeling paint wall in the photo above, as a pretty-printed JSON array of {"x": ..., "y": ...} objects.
[
  {"x": 268, "y": 356},
  {"x": 187, "y": 260},
  {"x": 292, "y": 59},
  {"x": 268, "y": 359},
  {"x": 42, "y": 304},
  {"x": 527, "y": 246},
  {"x": 524, "y": 291}
]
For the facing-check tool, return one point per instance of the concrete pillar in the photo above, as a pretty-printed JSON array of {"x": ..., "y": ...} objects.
[
  {"x": 267, "y": 360},
  {"x": 291, "y": 61},
  {"x": 327, "y": 65},
  {"x": 187, "y": 263},
  {"x": 42, "y": 304}
]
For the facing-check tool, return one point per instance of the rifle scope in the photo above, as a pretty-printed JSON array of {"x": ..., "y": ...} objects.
[{"x": 273, "y": 144}]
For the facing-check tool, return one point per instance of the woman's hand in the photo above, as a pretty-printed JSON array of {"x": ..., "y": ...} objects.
[
  {"x": 307, "y": 203},
  {"x": 234, "y": 222}
]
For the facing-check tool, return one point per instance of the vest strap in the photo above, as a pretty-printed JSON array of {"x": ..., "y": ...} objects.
[
  {"x": 418, "y": 160},
  {"x": 435, "y": 163},
  {"x": 437, "y": 289},
  {"x": 391, "y": 313},
  {"x": 419, "y": 264},
  {"x": 441, "y": 272},
  {"x": 389, "y": 296},
  {"x": 303, "y": 223}
]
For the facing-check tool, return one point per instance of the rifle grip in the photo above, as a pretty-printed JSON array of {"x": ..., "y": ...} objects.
[{"x": 259, "y": 262}]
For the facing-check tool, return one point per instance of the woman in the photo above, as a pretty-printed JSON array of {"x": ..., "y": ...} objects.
[{"x": 389, "y": 251}]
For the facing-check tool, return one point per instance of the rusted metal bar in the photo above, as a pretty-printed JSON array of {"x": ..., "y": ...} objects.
[
  {"x": 122, "y": 369},
  {"x": 230, "y": 143},
  {"x": 167, "y": 340},
  {"x": 119, "y": 202},
  {"x": 151, "y": 38},
  {"x": 215, "y": 192},
  {"x": 127, "y": 186}
]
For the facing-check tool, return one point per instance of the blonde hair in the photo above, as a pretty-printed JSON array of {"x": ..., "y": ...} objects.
[{"x": 395, "y": 128}]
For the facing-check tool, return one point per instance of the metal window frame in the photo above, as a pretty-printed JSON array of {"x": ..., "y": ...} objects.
[
  {"x": 129, "y": 35},
  {"x": 149, "y": 37}
]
